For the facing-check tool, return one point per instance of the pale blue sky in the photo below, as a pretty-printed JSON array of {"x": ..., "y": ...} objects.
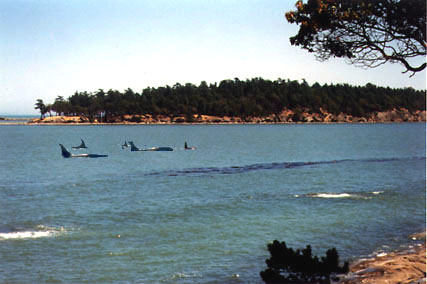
[{"x": 51, "y": 48}]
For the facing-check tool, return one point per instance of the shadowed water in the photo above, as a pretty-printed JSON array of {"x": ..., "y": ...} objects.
[{"x": 269, "y": 166}]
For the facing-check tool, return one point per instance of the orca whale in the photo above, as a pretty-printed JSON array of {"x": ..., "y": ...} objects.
[
  {"x": 81, "y": 146},
  {"x": 133, "y": 148},
  {"x": 67, "y": 154},
  {"x": 188, "y": 148},
  {"x": 158, "y": 149},
  {"x": 125, "y": 145}
]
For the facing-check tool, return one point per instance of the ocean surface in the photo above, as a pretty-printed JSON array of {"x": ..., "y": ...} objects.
[{"x": 204, "y": 215}]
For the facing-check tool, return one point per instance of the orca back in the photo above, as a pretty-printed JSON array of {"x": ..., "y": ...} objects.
[{"x": 164, "y": 149}]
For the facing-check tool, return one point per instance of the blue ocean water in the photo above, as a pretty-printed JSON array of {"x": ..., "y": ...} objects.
[{"x": 206, "y": 215}]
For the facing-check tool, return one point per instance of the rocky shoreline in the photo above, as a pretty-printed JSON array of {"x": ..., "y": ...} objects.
[
  {"x": 286, "y": 116},
  {"x": 396, "y": 267}
]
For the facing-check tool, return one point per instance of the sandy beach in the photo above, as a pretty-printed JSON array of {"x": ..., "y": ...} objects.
[{"x": 397, "y": 267}]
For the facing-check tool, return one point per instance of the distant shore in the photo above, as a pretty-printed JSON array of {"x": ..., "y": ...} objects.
[
  {"x": 15, "y": 119},
  {"x": 285, "y": 117},
  {"x": 407, "y": 266}
]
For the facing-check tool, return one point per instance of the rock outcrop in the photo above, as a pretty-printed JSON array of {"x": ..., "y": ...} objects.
[{"x": 286, "y": 116}]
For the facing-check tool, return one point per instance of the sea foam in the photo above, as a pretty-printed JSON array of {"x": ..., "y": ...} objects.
[
  {"x": 40, "y": 232},
  {"x": 329, "y": 195},
  {"x": 358, "y": 195},
  {"x": 332, "y": 195}
]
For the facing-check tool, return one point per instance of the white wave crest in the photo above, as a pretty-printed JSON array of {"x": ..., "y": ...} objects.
[
  {"x": 184, "y": 275},
  {"x": 41, "y": 232},
  {"x": 343, "y": 195},
  {"x": 333, "y": 195}
]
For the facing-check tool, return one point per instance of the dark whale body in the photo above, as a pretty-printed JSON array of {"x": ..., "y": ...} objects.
[
  {"x": 67, "y": 154},
  {"x": 81, "y": 146},
  {"x": 133, "y": 148}
]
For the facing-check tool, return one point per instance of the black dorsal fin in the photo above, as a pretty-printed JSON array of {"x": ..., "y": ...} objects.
[{"x": 65, "y": 152}]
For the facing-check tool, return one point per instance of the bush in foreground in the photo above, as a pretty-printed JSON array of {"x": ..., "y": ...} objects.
[{"x": 288, "y": 266}]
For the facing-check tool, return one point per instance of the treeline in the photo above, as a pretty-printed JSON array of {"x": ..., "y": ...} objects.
[{"x": 237, "y": 98}]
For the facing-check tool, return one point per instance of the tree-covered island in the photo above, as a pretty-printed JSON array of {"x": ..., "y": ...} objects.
[
  {"x": 366, "y": 33},
  {"x": 235, "y": 101}
]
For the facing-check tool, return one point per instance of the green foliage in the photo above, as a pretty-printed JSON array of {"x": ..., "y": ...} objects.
[
  {"x": 60, "y": 106},
  {"x": 41, "y": 107},
  {"x": 288, "y": 266},
  {"x": 244, "y": 99},
  {"x": 367, "y": 33}
]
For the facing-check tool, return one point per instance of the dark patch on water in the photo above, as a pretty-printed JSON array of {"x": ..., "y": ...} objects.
[{"x": 269, "y": 166}]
